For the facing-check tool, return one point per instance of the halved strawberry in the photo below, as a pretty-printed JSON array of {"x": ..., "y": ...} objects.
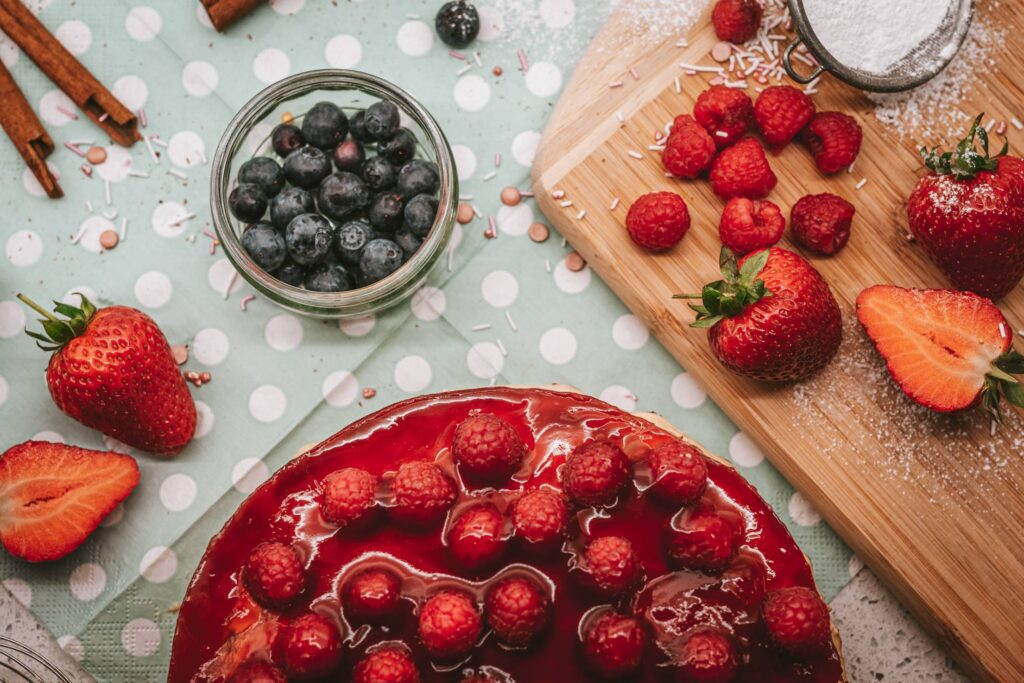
[
  {"x": 947, "y": 350},
  {"x": 53, "y": 496}
]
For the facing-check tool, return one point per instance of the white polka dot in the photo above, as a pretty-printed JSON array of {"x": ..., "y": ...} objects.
[
  {"x": 158, "y": 565},
  {"x": 485, "y": 360},
  {"x": 199, "y": 78},
  {"x": 267, "y": 403},
  {"x": 8, "y": 51},
  {"x": 153, "y": 289},
  {"x": 166, "y": 213},
  {"x": 472, "y": 92},
  {"x": 524, "y": 147},
  {"x": 271, "y": 65},
  {"x": 412, "y": 374},
  {"x": 118, "y": 446},
  {"x": 802, "y": 512},
  {"x": 21, "y": 591},
  {"x": 543, "y": 79},
  {"x": 283, "y": 332},
  {"x": 569, "y": 281},
  {"x": 186, "y": 149},
  {"x": 55, "y": 107},
  {"x": 49, "y": 435},
  {"x": 140, "y": 637},
  {"x": 24, "y": 248},
  {"x": 143, "y": 23},
  {"x": 515, "y": 220},
  {"x": 620, "y": 397},
  {"x": 357, "y": 327},
  {"x": 204, "y": 419},
  {"x": 31, "y": 183},
  {"x": 287, "y": 7},
  {"x": 71, "y": 296},
  {"x": 248, "y": 474},
  {"x": 855, "y": 565},
  {"x": 492, "y": 24},
  {"x": 686, "y": 392},
  {"x": 744, "y": 452},
  {"x": 75, "y": 36},
  {"x": 5, "y": 390},
  {"x": 343, "y": 51},
  {"x": 629, "y": 332},
  {"x": 202, "y": 17},
  {"x": 499, "y": 288},
  {"x": 115, "y": 516},
  {"x": 12, "y": 319},
  {"x": 90, "y": 231},
  {"x": 465, "y": 161},
  {"x": 339, "y": 388},
  {"x": 415, "y": 38},
  {"x": 88, "y": 581},
  {"x": 557, "y": 13},
  {"x": 117, "y": 164},
  {"x": 220, "y": 274},
  {"x": 558, "y": 346},
  {"x": 178, "y": 492},
  {"x": 132, "y": 91},
  {"x": 258, "y": 139},
  {"x": 210, "y": 346},
  {"x": 72, "y": 646},
  {"x": 428, "y": 303}
]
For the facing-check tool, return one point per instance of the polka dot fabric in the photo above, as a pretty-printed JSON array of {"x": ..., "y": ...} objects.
[{"x": 509, "y": 311}]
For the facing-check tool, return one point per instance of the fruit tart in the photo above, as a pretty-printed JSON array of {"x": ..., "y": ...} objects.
[{"x": 505, "y": 534}]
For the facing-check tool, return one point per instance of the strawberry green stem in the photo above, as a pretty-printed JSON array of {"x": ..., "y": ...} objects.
[
  {"x": 57, "y": 331},
  {"x": 739, "y": 288},
  {"x": 37, "y": 308}
]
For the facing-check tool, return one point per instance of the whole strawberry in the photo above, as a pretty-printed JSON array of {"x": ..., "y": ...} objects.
[
  {"x": 968, "y": 214},
  {"x": 113, "y": 370},
  {"x": 771, "y": 317}
]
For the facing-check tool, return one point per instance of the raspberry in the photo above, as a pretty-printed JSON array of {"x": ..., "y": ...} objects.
[
  {"x": 679, "y": 473},
  {"x": 750, "y": 225},
  {"x": 348, "y": 495},
  {"x": 476, "y": 538},
  {"x": 834, "y": 140},
  {"x": 725, "y": 113},
  {"x": 689, "y": 149},
  {"x": 658, "y": 220},
  {"x": 742, "y": 171},
  {"x": 310, "y": 647},
  {"x": 482, "y": 677},
  {"x": 423, "y": 493},
  {"x": 517, "y": 610},
  {"x": 595, "y": 473},
  {"x": 706, "y": 544},
  {"x": 487, "y": 447},
  {"x": 736, "y": 21},
  {"x": 797, "y": 620},
  {"x": 707, "y": 657},
  {"x": 781, "y": 112},
  {"x": 372, "y": 596},
  {"x": 273, "y": 574},
  {"x": 611, "y": 566},
  {"x": 387, "y": 665},
  {"x": 449, "y": 625},
  {"x": 821, "y": 222},
  {"x": 540, "y": 519},
  {"x": 257, "y": 672},
  {"x": 614, "y": 644}
]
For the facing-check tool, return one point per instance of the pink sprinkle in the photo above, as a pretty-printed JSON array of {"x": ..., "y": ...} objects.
[
  {"x": 457, "y": 55},
  {"x": 492, "y": 227},
  {"x": 717, "y": 80},
  {"x": 213, "y": 248},
  {"x": 497, "y": 159},
  {"x": 103, "y": 117},
  {"x": 634, "y": 73},
  {"x": 523, "y": 64},
  {"x": 87, "y": 170},
  {"x": 67, "y": 112},
  {"x": 209, "y": 234},
  {"x": 143, "y": 121},
  {"x": 525, "y": 194},
  {"x": 74, "y": 148},
  {"x": 244, "y": 303},
  {"x": 615, "y": 84}
]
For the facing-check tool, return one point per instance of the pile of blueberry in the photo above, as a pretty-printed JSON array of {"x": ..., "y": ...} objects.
[{"x": 334, "y": 231}]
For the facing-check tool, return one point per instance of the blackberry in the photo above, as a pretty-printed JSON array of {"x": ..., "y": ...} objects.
[
  {"x": 357, "y": 127},
  {"x": 350, "y": 240},
  {"x": 342, "y": 194},
  {"x": 386, "y": 212},
  {"x": 380, "y": 258},
  {"x": 309, "y": 238},
  {"x": 263, "y": 172},
  {"x": 285, "y": 139},
  {"x": 418, "y": 177},
  {"x": 382, "y": 120},
  {"x": 291, "y": 274},
  {"x": 409, "y": 242},
  {"x": 265, "y": 246},
  {"x": 324, "y": 125},
  {"x": 399, "y": 149},
  {"x": 458, "y": 23},
  {"x": 379, "y": 174},
  {"x": 420, "y": 213},
  {"x": 247, "y": 202},
  {"x": 288, "y": 204},
  {"x": 349, "y": 156},
  {"x": 331, "y": 277},
  {"x": 306, "y": 167}
]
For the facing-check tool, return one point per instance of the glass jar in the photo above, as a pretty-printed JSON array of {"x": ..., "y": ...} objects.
[{"x": 248, "y": 135}]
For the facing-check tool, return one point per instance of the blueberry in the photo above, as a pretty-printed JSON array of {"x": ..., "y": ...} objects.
[
  {"x": 291, "y": 274},
  {"x": 350, "y": 240},
  {"x": 420, "y": 213},
  {"x": 342, "y": 194},
  {"x": 382, "y": 120},
  {"x": 264, "y": 172},
  {"x": 379, "y": 174},
  {"x": 285, "y": 139},
  {"x": 418, "y": 177},
  {"x": 457, "y": 23},
  {"x": 399, "y": 149},
  {"x": 309, "y": 237},
  {"x": 324, "y": 126},
  {"x": 357, "y": 127},
  {"x": 288, "y": 204},
  {"x": 349, "y": 156},
  {"x": 306, "y": 167},
  {"x": 247, "y": 202},
  {"x": 386, "y": 212},
  {"x": 409, "y": 242},
  {"x": 329, "y": 278},
  {"x": 264, "y": 245},
  {"x": 380, "y": 258}
]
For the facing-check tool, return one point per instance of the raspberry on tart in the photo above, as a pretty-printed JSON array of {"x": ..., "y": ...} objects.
[
  {"x": 449, "y": 625},
  {"x": 595, "y": 474},
  {"x": 476, "y": 539},
  {"x": 487, "y": 448},
  {"x": 372, "y": 596},
  {"x": 798, "y": 620},
  {"x": 613, "y": 644},
  {"x": 611, "y": 566},
  {"x": 704, "y": 542},
  {"x": 707, "y": 656},
  {"x": 310, "y": 647},
  {"x": 423, "y": 493},
  {"x": 386, "y": 665},
  {"x": 274, "y": 574},
  {"x": 540, "y": 519},
  {"x": 258, "y": 672},
  {"x": 517, "y": 610},
  {"x": 348, "y": 495},
  {"x": 678, "y": 473}
]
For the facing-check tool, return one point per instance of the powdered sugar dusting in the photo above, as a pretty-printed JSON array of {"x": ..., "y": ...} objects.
[{"x": 655, "y": 20}]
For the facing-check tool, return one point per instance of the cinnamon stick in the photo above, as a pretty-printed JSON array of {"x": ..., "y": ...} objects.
[
  {"x": 67, "y": 73},
  {"x": 223, "y": 13},
  {"x": 26, "y": 132}
]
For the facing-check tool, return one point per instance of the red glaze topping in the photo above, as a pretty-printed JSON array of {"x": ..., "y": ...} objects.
[{"x": 687, "y": 584}]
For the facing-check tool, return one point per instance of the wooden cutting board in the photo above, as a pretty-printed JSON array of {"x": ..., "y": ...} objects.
[{"x": 933, "y": 504}]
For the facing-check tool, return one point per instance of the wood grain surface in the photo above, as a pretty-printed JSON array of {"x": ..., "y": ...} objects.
[{"x": 933, "y": 504}]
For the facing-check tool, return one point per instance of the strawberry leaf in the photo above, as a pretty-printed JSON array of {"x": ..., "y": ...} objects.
[
  {"x": 60, "y": 331},
  {"x": 966, "y": 161},
  {"x": 739, "y": 288},
  {"x": 1011, "y": 362}
]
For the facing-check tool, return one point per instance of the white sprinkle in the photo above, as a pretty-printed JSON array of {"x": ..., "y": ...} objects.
[
  {"x": 635, "y": 154},
  {"x": 992, "y": 432},
  {"x": 106, "y": 190},
  {"x": 1002, "y": 330},
  {"x": 157, "y": 141},
  {"x": 682, "y": 43},
  {"x": 581, "y": 215},
  {"x": 656, "y": 148},
  {"x": 511, "y": 322},
  {"x": 566, "y": 204},
  {"x": 702, "y": 69},
  {"x": 849, "y": 169},
  {"x": 679, "y": 87},
  {"x": 557, "y": 194},
  {"x": 547, "y": 267},
  {"x": 614, "y": 205},
  {"x": 476, "y": 58},
  {"x": 481, "y": 328},
  {"x": 465, "y": 197},
  {"x": 565, "y": 243},
  {"x": 862, "y": 183},
  {"x": 990, "y": 125},
  {"x": 177, "y": 174},
  {"x": 737, "y": 85},
  {"x": 501, "y": 347},
  {"x": 124, "y": 227},
  {"x": 138, "y": 174},
  {"x": 110, "y": 215},
  {"x": 804, "y": 59},
  {"x": 202, "y": 156},
  {"x": 491, "y": 175},
  {"x": 1016, "y": 123},
  {"x": 181, "y": 219},
  {"x": 88, "y": 205},
  {"x": 81, "y": 232},
  {"x": 492, "y": 382},
  {"x": 721, "y": 134},
  {"x": 231, "y": 283},
  {"x": 152, "y": 152},
  {"x": 476, "y": 211},
  {"x": 463, "y": 70},
  {"x": 618, "y": 117}
]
